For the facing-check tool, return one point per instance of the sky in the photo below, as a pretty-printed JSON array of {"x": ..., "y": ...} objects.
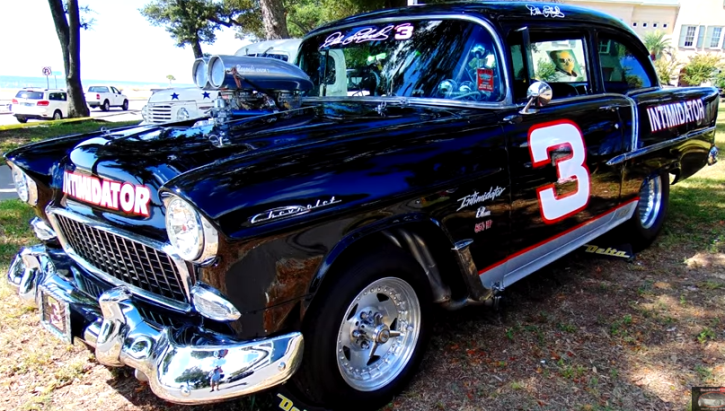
[{"x": 121, "y": 46}]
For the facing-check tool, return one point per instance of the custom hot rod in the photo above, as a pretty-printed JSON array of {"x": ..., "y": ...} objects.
[{"x": 475, "y": 144}]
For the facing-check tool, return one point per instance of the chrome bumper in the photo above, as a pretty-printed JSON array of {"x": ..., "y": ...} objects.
[{"x": 178, "y": 364}]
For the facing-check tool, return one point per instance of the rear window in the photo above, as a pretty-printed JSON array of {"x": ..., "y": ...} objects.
[
  {"x": 97, "y": 89},
  {"x": 30, "y": 95}
]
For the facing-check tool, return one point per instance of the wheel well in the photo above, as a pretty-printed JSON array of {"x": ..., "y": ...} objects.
[{"x": 425, "y": 242}]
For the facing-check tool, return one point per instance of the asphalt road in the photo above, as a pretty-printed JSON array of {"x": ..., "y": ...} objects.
[
  {"x": 115, "y": 114},
  {"x": 7, "y": 188}
]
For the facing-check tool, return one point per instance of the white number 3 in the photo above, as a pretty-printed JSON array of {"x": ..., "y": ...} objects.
[
  {"x": 547, "y": 137},
  {"x": 403, "y": 31}
]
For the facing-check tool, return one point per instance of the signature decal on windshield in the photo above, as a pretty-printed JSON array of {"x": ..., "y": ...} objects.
[
  {"x": 402, "y": 32},
  {"x": 475, "y": 198},
  {"x": 291, "y": 211},
  {"x": 547, "y": 11},
  {"x": 129, "y": 198}
]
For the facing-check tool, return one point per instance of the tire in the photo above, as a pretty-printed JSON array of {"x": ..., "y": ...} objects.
[
  {"x": 345, "y": 306},
  {"x": 57, "y": 115},
  {"x": 649, "y": 217},
  {"x": 106, "y": 106},
  {"x": 124, "y": 106},
  {"x": 21, "y": 119}
]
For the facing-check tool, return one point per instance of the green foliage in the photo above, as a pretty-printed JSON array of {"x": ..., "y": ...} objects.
[
  {"x": 657, "y": 43},
  {"x": 667, "y": 68},
  {"x": 546, "y": 70},
  {"x": 702, "y": 68}
]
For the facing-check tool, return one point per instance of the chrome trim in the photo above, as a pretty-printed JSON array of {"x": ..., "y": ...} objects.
[
  {"x": 635, "y": 124},
  {"x": 712, "y": 156},
  {"x": 177, "y": 364},
  {"x": 212, "y": 305},
  {"x": 476, "y": 289},
  {"x": 42, "y": 230},
  {"x": 522, "y": 265},
  {"x": 166, "y": 248},
  {"x": 658, "y": 146},
  {"x": 508, "y": 98}
]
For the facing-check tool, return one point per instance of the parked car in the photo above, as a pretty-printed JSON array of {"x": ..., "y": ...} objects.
[
  {"x": 105, "y": 96},
  {"x": 39, "y": 104},
  {"x": 308, "y": 245},
  {"x": 182, "y": 103}
]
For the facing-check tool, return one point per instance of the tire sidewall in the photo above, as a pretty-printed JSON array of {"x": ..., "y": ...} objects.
[
  {"x": 57, "y": 115},
  {"x": 125, "y": 105},
  {"x": 643, "y": 237},
  {"x": 323, "y": 322},
  {"x": 105, "y": 106}
]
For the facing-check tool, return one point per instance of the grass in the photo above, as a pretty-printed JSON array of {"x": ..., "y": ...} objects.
[
  {"x": 11, "y": 139},
  {"x": 581, "y": 334}
]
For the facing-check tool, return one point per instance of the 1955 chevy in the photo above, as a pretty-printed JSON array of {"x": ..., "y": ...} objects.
[{"x": 304, "y": 233}]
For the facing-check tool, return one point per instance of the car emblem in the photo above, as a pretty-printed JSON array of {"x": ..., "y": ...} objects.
[{"x": 291, "y": 211}]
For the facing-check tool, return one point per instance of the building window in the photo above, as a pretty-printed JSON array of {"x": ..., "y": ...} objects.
[
  {"x": 713, "y": 37},
  {"x": 700, "y": 37},
  {"x": 654, "y": 25},
  {"x": 635, "y": 23},
  {"x": 665, "y": 25},
  {"x": 687, "y": 36},
  {"x": 604, "y": 47},
  {"x": 644, "y": 24}
]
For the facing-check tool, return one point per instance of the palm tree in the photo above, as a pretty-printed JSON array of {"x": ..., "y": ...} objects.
[
  {"x": 171, "y": 78},
  {"x": 657, "y": 43}
]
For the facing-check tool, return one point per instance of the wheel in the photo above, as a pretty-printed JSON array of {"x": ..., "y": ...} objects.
[
  {"x": 366, "y": 336},
  {"x": 124, "y": 106},
  {"x": 649, "y": 217},
  {"x": 106, "y": 106},
  {"x": 57, "y": 115},
  {"x": 21, "y": 119}
]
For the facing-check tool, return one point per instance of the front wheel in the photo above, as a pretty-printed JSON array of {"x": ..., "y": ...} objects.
[
  {"x": 365, "y": 339},
  {"x": 124, "y": 106},
  {"x": 649, "y": 217}
]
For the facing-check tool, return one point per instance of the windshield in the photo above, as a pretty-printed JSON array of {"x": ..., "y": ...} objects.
[
  {"x": 30, "y": 95},
  {"x": 449, "y": 59}
]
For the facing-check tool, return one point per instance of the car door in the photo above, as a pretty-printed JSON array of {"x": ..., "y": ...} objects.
[
  {"x": 563, "y": 191},
  {"x": 117, "y": 98}
]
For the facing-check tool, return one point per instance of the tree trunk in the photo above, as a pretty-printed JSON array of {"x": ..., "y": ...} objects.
[
  {"x": 69, "y": 35},
  {"x": 274, "y": 19},
  {"x": 392, "y": 4},
  {"x": 196, "y": 47}
]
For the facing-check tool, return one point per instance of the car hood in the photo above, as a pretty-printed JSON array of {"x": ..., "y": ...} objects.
[{"x": 274, "y": 160}]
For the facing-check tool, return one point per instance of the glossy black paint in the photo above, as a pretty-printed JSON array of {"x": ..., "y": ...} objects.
[{"x": 405, "y": 164}]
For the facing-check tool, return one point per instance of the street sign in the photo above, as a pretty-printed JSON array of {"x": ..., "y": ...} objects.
[{"x": 47, "y": 71}]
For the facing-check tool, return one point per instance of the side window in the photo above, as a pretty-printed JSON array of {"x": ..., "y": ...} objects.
[
  {"x": 63, "y": 96},
  {"x": 622, "y": 70},
  {"x": 53, "y": 96},
  {"x": 115, "y": 91},
  {"x": 558, "y": 60}
]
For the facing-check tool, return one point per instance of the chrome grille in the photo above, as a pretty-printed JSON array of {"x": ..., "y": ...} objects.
[
  {"x": 126, "y": 260},
  {"x": 159, "y": 113}
]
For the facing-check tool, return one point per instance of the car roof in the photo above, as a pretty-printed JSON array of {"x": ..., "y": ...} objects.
[{"x": 493, "y": 11}]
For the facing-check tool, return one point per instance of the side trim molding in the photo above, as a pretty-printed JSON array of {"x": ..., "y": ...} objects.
[{"x": 658, "y": 146}]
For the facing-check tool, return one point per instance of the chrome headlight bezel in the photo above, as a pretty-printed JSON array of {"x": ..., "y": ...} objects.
[
  {"x": 206, "y": 242},
  {"x": 182, "y": 114},
  {"x": 25, "y": 186}
]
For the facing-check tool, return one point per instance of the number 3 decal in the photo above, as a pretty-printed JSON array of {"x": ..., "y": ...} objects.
[{"x": 548, "y": 137}]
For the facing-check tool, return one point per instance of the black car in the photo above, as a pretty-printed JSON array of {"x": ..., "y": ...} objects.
[{"x": 304, "y": 233}]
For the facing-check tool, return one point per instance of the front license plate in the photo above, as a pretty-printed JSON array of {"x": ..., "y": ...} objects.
[{"x": 55, "y": 315}]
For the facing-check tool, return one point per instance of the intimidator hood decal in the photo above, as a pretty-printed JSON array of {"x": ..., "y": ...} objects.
[{"x": 129, "y": 198}]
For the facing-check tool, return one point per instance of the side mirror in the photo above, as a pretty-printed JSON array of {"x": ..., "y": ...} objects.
[{"x": 539, "y": 95}]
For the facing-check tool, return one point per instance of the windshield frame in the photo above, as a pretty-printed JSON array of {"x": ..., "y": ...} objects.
[{"x": 505, "y": 102}]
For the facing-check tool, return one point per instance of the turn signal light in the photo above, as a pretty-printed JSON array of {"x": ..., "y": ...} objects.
[{"x": 43, "y": 103}]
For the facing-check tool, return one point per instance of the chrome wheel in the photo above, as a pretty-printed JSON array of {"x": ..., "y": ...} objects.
[
  {"x": 378, "y": 334},
  {"x": 650, "y": 201}
]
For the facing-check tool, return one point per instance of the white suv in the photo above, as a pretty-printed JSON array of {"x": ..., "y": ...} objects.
[{"x": 41, "y": 104}]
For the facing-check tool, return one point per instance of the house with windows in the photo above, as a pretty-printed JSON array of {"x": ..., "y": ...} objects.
[{"x": 693, "y": 26}]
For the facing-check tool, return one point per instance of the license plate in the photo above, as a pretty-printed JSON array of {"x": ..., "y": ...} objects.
[
  {"x": 28, "y": 104},
  {"x": 55, "y": 315}
]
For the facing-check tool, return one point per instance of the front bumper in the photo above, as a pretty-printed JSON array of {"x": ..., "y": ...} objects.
[{"x": 178, "y": 363}]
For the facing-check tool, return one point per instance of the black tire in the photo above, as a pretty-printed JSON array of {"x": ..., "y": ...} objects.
[
  {"x": 124, "y": 106},
  {"x": 319, "y": 379},
  {"x": 106, "y": 106},
  {"x": 21, "y": 119},
  {"x": 642, "y": 229},
  {"x": 57, "y": 115}
]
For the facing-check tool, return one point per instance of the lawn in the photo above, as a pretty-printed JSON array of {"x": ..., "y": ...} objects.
[{"x": 581, "y": 334}]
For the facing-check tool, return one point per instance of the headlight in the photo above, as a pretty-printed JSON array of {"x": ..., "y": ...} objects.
[
  {"x": 194, "y": 238},
  {"x": 182, "y": 114},
  {"x": 25, "y": 186},
  {"x": 144, "y": 113}
]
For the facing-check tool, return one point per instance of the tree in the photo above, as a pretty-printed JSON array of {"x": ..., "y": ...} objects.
[
  {"x": 657, "y": 43},
  {"x": 274, "y": 19},
  {"x": 171, "y": 78},
  {"x": 702, "y": 68},
  {"x": 69, "y": 35},
  {"x": 188, "y": 21},
  {"x": 667, "y": 68}
]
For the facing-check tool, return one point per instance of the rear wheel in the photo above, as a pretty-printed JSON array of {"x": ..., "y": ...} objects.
[
  {"x": 57, "y": 115},
  {"x": 649, "y": 217},
  {"x": 21, "y": 119},
  {"x": 366, "y": 337},
  {"x": 106, "y": 106}
]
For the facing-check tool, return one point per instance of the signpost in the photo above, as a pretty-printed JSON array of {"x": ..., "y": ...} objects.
[{"x": 47, "y": 72}]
